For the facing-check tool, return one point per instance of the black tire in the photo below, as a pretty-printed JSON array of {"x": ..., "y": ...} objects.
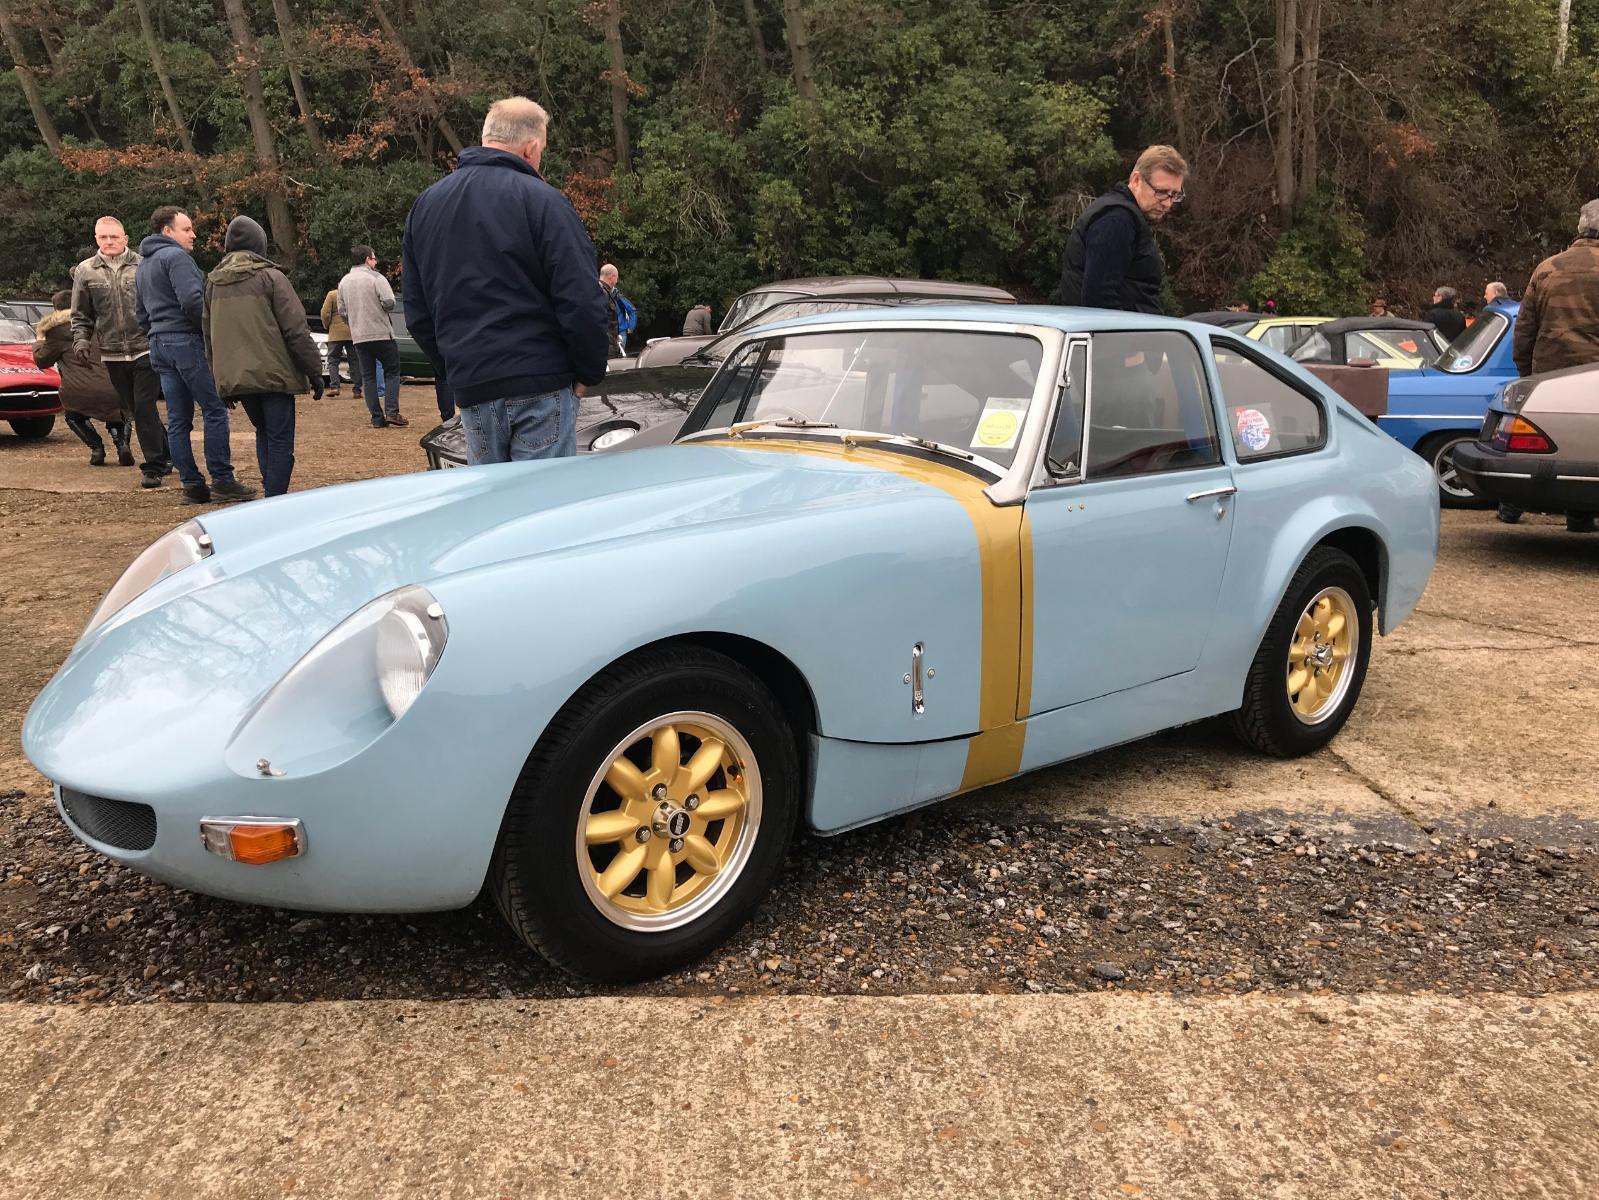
[
  {"x": 1267, "y": 719},
  {"x": 1453, "y": 491},
  {"x": 536, "y": 877},
  {"x": 33, "y": 428}
]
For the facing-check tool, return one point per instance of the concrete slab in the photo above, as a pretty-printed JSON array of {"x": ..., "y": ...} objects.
[{"x": 1109, "y": 1095}]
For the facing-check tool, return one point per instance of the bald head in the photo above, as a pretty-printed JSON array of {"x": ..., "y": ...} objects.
[
  {"x": 608, "y": 274},
  {"x": 517, "y": 126}
]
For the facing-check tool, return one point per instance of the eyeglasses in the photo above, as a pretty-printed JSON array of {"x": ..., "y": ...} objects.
[{"x": 1171, "y": 195}]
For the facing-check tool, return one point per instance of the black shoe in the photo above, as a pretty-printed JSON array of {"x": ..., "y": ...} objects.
[
  {"x": 151, "y": 479},
  {"x": 124, "y": 455},
  {"x": 198, "y": 494},
  {"x": 1509, "y": 514},
  {"x": 232, "y": 490},
  {"x": 1579, "y": 523},
  {"x": 379, "y": 423},
  {"x": 97, "y": 457}
]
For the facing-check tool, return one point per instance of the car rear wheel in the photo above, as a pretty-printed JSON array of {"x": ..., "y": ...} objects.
[
  {"x": 651, "y": 818},
  {"x": 1311, "y": 664},
  {"x": 1453, "y": 492},
  {"x": 32, "y": 428}
]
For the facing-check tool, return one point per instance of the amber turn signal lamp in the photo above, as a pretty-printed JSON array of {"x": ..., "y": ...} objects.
[
  {"x": 254, "y": 841},
  {"x": 1526, "y": 438}
]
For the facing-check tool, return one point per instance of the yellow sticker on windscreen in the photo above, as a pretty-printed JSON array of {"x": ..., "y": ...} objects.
[{"x": 1000, "y": 423}]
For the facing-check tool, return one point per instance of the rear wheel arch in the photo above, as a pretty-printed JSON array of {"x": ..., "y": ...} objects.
[{"x": 1367, "y": 549}]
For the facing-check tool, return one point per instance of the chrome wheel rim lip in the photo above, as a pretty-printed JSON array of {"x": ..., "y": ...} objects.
[
  {"x": 1344, "y": 603},
  {"x": 1447, "y": 474},
  {"x": 712, "y": 893}
]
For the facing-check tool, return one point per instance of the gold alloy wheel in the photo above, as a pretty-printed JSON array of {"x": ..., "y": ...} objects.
[
  {"x": 669, "y": 821},
  {"x": 1321, "y": 655}
]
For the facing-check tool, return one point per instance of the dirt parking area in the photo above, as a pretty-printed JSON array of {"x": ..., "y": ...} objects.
[{"x": 1447, "y": 840}]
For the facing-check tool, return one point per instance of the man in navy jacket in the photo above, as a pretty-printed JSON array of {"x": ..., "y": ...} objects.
[
  {"x": 170, "y": 292},
  {"x": 501, "y": 293}
]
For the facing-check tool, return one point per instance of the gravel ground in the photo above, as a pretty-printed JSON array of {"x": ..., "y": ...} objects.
[{"x": 920, "y": 904}]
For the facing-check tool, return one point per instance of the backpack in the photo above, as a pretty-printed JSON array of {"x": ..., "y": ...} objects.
[{"x": 626, "y": 316}]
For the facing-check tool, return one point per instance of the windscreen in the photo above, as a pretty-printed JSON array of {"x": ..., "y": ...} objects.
[
  {"x": 967, "y": 390},
  {"x": 15, "y": 332},
  {"x": 751, "y": 304}
]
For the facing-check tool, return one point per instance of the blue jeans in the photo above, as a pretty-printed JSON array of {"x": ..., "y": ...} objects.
[
  {"x": 521, "y": 428},
  {"x": 179, "y": 359},
  {"x": 272, "y": 414}
]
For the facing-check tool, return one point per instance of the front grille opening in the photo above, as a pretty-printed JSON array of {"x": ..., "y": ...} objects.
[{"x": 119, "y": 823}]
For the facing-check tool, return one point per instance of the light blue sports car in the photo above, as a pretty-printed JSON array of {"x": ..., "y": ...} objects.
[{"x": 891, "y": 557}]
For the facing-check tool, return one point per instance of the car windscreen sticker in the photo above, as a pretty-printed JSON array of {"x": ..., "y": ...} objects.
[
  {"x": 1000, "y": 423},
  {"x": 1254, "y": 430}
]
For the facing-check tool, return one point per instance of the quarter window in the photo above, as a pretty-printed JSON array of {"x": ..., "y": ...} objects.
[
  {"x": 1266, "y": 415},
  {"x": 1066, "y": 442},
  {"x": 1149, "y": 409}
]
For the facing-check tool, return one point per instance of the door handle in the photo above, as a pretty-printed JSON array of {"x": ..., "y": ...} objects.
[{"x": 1219, "y": 493}]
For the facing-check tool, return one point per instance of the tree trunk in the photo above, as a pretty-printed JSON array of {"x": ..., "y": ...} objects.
[
  {"x": 753, "y": 20},
  {"x": 1284, "y": 38},
  {"x": 1309, "y": 62},
  {"x": 255, "y": 108},
  {"x": 618, "y": 81},
  {"x": 428, "y": 102},
  {"x": 153, "y": 48},
  {"x": 799, "y": 52},
  {"x": 1173, "y": 99},
  {"x": 1562, "y": 33},
  {"x": 291, "y": 53},
  {"x": 30, "y": 85}
]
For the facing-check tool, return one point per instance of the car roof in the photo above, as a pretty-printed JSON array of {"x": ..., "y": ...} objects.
[
  {"x": 855, "y": 285},
  {"x": 1226, "y": 317},
  {"x": 1356, "y": 324},
  {"x": 1069, "y": 320}
]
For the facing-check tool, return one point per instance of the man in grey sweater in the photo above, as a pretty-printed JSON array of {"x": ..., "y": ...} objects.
[{"x": 365, "y": 301}]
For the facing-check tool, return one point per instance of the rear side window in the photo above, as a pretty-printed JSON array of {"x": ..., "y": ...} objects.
[
  {"x": 1148, "y": 406},
  {"x": 1266, "y": 415}
]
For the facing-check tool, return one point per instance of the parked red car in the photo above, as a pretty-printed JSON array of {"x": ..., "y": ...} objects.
[{"x": 29, "y": 398}]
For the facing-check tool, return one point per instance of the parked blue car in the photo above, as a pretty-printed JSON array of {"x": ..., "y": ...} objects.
[
  {"x": 1439, "y": 408},
  {"x": 891, "y": 557}
]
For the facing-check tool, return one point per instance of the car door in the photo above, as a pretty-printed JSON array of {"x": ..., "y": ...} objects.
[{"x": 1131, "y": 521}]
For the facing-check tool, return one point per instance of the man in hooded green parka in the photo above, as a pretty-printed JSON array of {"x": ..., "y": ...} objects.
[{"x": 260, "y": 347}]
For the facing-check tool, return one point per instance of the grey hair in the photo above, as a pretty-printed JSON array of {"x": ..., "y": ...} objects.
[
  {"x": 1497, "y": 290},
  {"x": 1588, "y": 220},
  {"x": 608, "y": 271},
  {"x": 1447, "y": 293},
  {"x": 515, "y": 121}
]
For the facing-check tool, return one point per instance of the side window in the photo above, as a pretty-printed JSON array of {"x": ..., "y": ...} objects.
[
  {"x": 1066, "y": 442},
  {"x": 1149, "y": 409},
  {"x": 1280, "y": 337},
  {"x": 1266, "y": 415},
  {"x": 723, "y": 398}
]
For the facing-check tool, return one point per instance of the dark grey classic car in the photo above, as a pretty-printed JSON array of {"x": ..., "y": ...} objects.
[{"x": 645, "y": 405}]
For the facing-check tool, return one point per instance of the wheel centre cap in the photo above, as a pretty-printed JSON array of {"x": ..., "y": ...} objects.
[
  {"x": 671, "y": 821},
  {"x": 1322, "y": 655}
]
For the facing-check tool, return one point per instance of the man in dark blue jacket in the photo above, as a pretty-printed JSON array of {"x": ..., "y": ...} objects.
[
  {"x": 170, "y": 291},
  {"x": 1111, "y": 258},
  {"x": 501, "y": 293}
]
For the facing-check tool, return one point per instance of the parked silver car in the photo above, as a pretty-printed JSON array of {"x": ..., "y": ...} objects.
[{"x": 1539, "y": 446}]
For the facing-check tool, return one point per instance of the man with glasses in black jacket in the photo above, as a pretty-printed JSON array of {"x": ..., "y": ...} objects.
[{"x": 1111, "y": 259}]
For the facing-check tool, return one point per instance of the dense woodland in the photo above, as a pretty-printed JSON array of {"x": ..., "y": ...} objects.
[{"x": 1341, "y": 148}]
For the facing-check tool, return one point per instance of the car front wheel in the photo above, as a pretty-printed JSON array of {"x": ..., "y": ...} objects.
[
  {"x": 32, "y": 428},
  {"x": 651, "y": 818},
  {"x": 1308, "y": 671},
  {"x": 1453, "y": 492}
]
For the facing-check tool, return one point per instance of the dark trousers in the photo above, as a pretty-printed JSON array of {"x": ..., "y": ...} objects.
[
  {"x": 272, "y": 414},
  {"x": 339, "y": 353},
  {"x": 140, "y": 389},
  {"x": 371, "y": 354},
  {"x": 90, "y": 436}
]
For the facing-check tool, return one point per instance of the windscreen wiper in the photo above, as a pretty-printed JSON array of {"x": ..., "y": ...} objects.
[{"x": 859, "y": 439}]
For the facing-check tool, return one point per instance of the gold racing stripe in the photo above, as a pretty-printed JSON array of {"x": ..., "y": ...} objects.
[{"x": 1005, "y": 563}]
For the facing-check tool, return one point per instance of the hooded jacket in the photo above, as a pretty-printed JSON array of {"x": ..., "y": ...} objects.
[
  {"x": 501, "y": 286},
  {"x": 338, "y": 329},
  {"x": 170, "y": 287},
  {"x": 255, "y": 332},
  {"x": 1558, "y": 325},
  {"x": 104, "y": 308},
  {"x": 85, "y": 387}
]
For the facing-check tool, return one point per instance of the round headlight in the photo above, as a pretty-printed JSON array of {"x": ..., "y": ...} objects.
[
  {"x": 613, "y": 437},
  {"x": 167, "y": 555},
  {"x": 405, "y": 654}
]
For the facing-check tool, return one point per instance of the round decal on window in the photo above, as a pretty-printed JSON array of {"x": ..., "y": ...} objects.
[{"x": 1254, "y": 431}]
